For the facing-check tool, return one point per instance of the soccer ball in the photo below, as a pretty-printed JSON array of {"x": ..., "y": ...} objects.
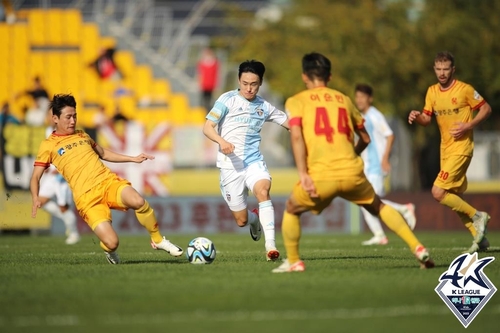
[{"x": 201, "y": 250}]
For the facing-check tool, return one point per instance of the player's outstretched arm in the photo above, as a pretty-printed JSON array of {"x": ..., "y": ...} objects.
[
  {"x": 211, "y": 133},
  {"x": 37, "y": 174},
  {"x": 419, "y": 117},
  {"x": 111, "y": 156}
]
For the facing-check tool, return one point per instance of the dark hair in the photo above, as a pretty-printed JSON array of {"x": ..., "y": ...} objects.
[
  {"x": 364, "y": 88},
  {"x": 445, "y": 56},
  {"x": 316, "y": 65},
  {"x": 252, "y": 66},
  {"x": 60, "y": 101}
]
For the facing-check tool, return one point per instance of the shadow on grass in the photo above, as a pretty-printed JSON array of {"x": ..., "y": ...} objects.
[
  {"x": 341, "y": 258},
  {"x": 135, "y": 262}
]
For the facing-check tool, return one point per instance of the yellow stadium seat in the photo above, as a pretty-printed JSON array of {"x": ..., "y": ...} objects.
[
  {"x": 161, "y": 91},
  {"x": 179, "y": 108},
  {"x": 36, "y": 26},
  {"x": 36, "y": 64},
  {"x": 196, "y": 116},
  {"x": 128, "y": 107},
  {"x": 53, "y": 27},
  {"x": 125, "y": 62},
  {"x": 72, "y": 31},
  {"x": 89, "y": 46},
  {"x": 5, "y": 37},
  {"x": 90, "y": 85},
  {"x": 107, "y": 43},
  {"x": 142, "y": 79}
]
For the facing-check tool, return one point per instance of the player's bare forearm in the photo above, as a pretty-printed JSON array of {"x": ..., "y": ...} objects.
[
  {"x": 419, "y": 118},
  {"x": 210, "y": 132},
  {"x": 35, "y": 188},
  {"x": 299, "y": 149},
  {"x": 483, "y": 113},
  {"x": 388, "y": 147}
]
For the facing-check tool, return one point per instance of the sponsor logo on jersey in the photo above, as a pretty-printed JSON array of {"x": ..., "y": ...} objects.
[
  {"x": 464, "y": 287},
  {"x": 476, "y": 95},
  {"x": 228, "y": 196},
  {"x": 454, "y": 100},
  {"x": 61, "y": 151}
]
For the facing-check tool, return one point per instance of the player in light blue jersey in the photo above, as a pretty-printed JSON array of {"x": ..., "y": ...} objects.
[
  {"x": 234, "y": 123},
  {"x": 376, "y": 160}
]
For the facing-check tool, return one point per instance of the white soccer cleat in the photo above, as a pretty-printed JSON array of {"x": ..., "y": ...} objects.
[
  {"x": 409, "y": 215},
  {"x": 376, "y": 240},
  {"x": 286, "y": 267},
  {"x": 167, "y": 246},
  {"x": 112, "y": 257},
  {"x": 481, "y": 247},
  {"x": 480, "y": 224},
  {"x": 256, "y": 231},
  {"x": 423, "y": 257},
  {"x": 72, "y": 239}
]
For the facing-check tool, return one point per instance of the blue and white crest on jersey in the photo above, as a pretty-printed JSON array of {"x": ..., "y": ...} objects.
[
  {"x": 464, "y": 287},
  {"x": 228, "y": 196},
  {"x": 61, "y": 151},
  {"x": 259, "y": 112}
]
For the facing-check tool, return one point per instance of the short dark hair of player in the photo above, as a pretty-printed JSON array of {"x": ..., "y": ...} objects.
[
  {"x": 252, "y": 66},
  {"x": 61, "y": 101},
  {"x": 316, "y": 66},
  {"x": 445, "y": 56},
  {"x": 364, "y": 88}
]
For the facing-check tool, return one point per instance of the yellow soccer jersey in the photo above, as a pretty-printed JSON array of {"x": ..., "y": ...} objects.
[
  {"x": 327, "y": 118},
  {"x": 450, "y": 106},
  {"x": 75, "y": 158}
]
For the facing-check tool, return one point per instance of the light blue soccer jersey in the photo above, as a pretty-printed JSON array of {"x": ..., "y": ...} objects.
[
  {"x": 240, "y": 122},
  {"x": 377, "y": 127}
]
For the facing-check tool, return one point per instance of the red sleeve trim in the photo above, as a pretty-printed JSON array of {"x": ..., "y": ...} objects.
[
  {"x": 297, "y": 121},
  {"x": 94, "y": 144},
  {"x": 45, "y": 165},
  {"x": 362, "y": 125},
  {"x": 427, "y": 112},
  {"x": 479, "y": 105}
]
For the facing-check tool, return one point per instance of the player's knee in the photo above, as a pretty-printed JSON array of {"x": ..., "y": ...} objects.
[
  {"x": 438, "y": 193},
  {"x": 262, "y": 194},
  {"x": 136, "y": 202},
  {"x": 291, "y": 208}
]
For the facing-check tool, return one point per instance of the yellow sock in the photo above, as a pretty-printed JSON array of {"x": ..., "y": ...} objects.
[
  {"x": 467, "y": 221},
  {"x": 291, "y": 236},
  {"x": 104, "y": 247},
  {"x": 396, "y": 223},
  {"x": 147, "y": 218},
  {"x": 458, "y": 204}
]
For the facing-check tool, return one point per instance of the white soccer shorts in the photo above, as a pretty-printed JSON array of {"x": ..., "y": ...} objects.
[
  {"x": 377, "y": 182},
  {"x": 54, "y": 186},
  {"x": 235, "y": 184}
]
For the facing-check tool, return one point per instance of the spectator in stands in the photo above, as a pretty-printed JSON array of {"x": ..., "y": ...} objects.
[
  {"x": 7, "y": 12},
  {"x": 6, "y": 117},
  {"x": 208, "y": 68},
  {"x": 36, "y": 115},
  {"x": 105, "y": 65}
]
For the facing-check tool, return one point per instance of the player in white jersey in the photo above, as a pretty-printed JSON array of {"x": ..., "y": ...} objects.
[
  {"x": 239, "y": 116},
  {"x": 376, "y": 160},
  {"x": 55, "y": 197}
]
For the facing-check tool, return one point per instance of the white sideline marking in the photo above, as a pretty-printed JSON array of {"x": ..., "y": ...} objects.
[{"x": 228, "y": 316}]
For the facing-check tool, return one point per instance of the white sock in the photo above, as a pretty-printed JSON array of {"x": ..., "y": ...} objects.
[
  {"x": 53, "y": 209},
  {"x": 373, "y": 223},
  {"x": 69, "y": 219},
  {"x": 399, "y": 207},
  {"x": 266, "y": 215}
]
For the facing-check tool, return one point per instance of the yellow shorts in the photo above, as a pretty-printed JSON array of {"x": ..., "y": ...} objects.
[
  {"x": 355, "y": 189},
  {"x": 452, "y": 176},
  {"x": 96, "y": 204}
]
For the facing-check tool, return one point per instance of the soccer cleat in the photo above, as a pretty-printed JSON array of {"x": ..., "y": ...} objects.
[
  {"x": 376, "y": 240},
  {"x": 480, "y": 224},
  {"x": 256, "y": 234},
  {"x": 423, "y": 257},
  {"x": 481, "y": 247},
  {"x": 72, "y": 239},
  {"x": 112, "y": 257},
  {"x": 167, "y": 246},
  {"x": 272, "y": 255},
  {"x": 409, "y": 215},
  {"x": 286, "y": 267}
]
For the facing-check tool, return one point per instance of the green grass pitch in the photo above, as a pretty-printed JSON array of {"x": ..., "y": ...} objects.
[{"x": 47, "y": 286}]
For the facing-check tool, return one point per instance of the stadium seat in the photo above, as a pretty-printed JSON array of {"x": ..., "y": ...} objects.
[
  {"x": 161, "y": 91},
  {"x": 179, "y": 108},
  {"x": 36, "y": 19},
  {"x": 89, "y": 46},
  {"x": 54, "y": 27},
  {"x": 196, "y": 116},
  {"x": 125, "y": 62},
  {"x": 142, "y": 79},
  {"x": 72, "y": 27}
]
